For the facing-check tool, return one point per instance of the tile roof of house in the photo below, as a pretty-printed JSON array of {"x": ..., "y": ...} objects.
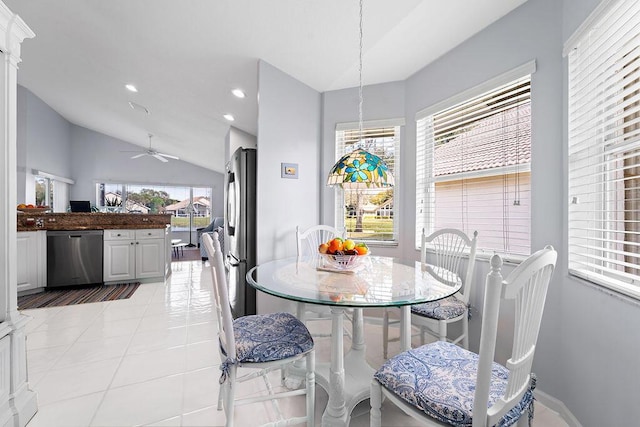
[
  {"x": 200, "y": 200},
  {"x": 473, "y": 151}
]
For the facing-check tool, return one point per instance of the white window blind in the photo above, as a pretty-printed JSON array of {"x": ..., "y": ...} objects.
[
  {"x": 473, "y": 167},
  {"x": 370, "y": 214},
  {"x": 604, "y": 149}
]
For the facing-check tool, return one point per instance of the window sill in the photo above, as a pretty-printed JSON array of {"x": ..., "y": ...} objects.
[
  {"x": 380, "y": 243},
  {"x": 626, "y": 289}
]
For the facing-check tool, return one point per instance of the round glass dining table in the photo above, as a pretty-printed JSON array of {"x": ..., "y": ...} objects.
[{"x": 375, "y": 282}]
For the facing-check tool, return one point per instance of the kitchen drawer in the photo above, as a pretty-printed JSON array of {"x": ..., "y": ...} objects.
[
  {"x": 119, "y": 234},
  {"x": 150, "y": 233}
]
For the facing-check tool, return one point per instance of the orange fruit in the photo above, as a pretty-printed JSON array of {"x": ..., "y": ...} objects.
[
  {"x": 335, "y": 245},
  {"x": 361, "y": 249}
]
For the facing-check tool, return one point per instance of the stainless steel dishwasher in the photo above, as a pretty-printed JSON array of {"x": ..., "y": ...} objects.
[{"x": 74, "y": 257}]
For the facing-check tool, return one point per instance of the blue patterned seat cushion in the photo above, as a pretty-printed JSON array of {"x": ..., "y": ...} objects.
[
  {"x": 269, "y": 337},
  {"x": 446, "y": 308},
  {"x": 440, "y": 379}
]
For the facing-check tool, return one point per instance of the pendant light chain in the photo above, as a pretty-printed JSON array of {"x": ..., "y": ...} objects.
[{"x": 360, "y": 81}]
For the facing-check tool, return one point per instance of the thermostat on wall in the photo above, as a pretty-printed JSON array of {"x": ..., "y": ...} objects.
[{"x": 289, "y": 170}]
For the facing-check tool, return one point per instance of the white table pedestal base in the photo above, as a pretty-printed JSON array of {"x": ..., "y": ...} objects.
[{"x": 347, "y": 378}]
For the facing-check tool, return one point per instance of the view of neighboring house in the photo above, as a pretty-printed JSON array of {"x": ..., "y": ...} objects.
[
  {"x": 482, "y": 176},
  {"x": 115, "y": 200},
  {"x": 201, "y": 207}
]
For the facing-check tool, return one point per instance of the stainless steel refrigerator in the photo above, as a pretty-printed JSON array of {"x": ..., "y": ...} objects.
[{"x": 240, "y": 229}]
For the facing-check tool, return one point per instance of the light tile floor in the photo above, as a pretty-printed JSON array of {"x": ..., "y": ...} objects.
[{"x": 153, "y": 360}]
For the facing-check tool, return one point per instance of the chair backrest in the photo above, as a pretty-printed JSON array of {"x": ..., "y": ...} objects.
[
  {"x": 207, "y": 244},
  {"x": 309, "y": 240},
  {"x": 221, "y": 291},
  {"x": 450, "y": 248},
  {"x": 527, "y": 286}
]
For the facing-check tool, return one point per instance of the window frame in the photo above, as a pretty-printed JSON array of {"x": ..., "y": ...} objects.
[
  {"x": 425, "y": 198},
  {"x": 339, "y": 197},
  {"x": 595, "y": 252}
]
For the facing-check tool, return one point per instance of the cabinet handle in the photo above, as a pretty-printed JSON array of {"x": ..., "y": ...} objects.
[
  {"x": 132, "y": 243},
  {"x": 137, "y": 243},
  {"x": 119, "y": 234}
]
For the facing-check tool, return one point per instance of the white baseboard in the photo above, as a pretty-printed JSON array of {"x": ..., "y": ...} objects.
[{"x": 557, "y": 406}]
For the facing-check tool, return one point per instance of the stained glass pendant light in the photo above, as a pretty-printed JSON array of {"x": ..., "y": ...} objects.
[{"x": 360, "y": 168}]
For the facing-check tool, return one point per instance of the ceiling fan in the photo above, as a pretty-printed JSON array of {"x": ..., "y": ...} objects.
[{"x": 153, "y": 153}]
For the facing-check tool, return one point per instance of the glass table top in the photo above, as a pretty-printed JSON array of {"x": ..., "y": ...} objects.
[{"x": 377, "y": 282}]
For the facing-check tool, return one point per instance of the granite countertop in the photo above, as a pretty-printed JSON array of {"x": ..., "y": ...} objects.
[{"x": 90, "y": 221}]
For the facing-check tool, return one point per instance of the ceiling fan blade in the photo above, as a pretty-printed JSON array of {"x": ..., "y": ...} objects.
[
  {"x": 169, "y": 156},
  {"x": 159, "y": 157},
  {"x": 138, "y": 155}
]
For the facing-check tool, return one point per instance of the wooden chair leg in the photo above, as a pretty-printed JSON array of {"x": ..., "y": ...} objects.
[
  {"x": 442, "y": 330},
  {"x": 311, "y": 388},
  {"x": 465, "y": 331},
  {"x": 230, "y": 396},
  {"x": 385, "y": 332},
  {"x": 375, "y": 416}
]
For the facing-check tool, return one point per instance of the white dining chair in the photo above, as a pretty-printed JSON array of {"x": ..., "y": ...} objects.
[
  {"x": 442, "y": 384},
  {"x": 450, "y": 247},
  {"x": 263, "y": 343},
  {"x": 307, "y": 243}
]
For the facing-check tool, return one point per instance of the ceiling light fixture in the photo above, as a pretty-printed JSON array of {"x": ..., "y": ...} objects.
[
  {"x": 238, "y": 93},
  {"x": 229, "y": 117},
  {"x": 359, "y": 168},
  {"x": 139, "y": 107},
  {"x": 131, "y": 87}
]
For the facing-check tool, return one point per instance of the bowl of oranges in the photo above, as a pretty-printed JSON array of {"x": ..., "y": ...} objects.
[
  {"x": 31, "y": 209},
  {"x": 343, "y": 254}
]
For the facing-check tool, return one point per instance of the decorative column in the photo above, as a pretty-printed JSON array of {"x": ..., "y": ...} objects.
[{"x": 17, "y": 403}]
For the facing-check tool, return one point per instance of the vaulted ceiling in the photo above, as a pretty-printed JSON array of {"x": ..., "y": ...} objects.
[{"x": 185, "y": 57}]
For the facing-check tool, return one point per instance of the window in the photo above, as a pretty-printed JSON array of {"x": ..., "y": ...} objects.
[
  {"x": 473, "y": 164},
  {"x": 44, "y": 191},
  {"x": 604, "y": 148},
  {"x": 51, "y": 190},
  {"x": 370, "y": 214},
  {"x": 190, "y": 207}
]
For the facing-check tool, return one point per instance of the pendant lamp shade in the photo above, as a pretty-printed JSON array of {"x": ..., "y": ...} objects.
[{"x": 360, "y": 169}]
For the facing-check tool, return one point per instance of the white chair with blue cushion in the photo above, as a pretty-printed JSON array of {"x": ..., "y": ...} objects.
[
  {"x": 266, "y": 342},
  {"x": 450, "y": 248},
  {"x": 442, "y": 384}
]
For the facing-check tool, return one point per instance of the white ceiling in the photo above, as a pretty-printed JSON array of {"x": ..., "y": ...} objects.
[{"x": 185, "y": 56}]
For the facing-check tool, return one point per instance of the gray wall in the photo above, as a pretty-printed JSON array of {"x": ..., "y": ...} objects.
[
  {"x": 289, "y": 117},
  {"x": 43, "y": 139},
  {"x": 589, "y": 341},
  {"x": 48, "y": 142}
]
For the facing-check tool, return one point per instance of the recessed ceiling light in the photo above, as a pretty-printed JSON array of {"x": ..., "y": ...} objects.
[
  {"x": 131, "y": 87},
  {"x": 139, "y": 107},
  {"x": 229, "y": 117},
  {"x": 239, "y": 93}
]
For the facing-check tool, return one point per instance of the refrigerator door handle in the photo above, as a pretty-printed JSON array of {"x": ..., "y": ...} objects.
[
  {"x": 232, "y": 209},
  {"x": 233, "y": 261}
]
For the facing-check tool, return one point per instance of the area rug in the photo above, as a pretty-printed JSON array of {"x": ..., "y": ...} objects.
[{"x": 59, "y": 297}]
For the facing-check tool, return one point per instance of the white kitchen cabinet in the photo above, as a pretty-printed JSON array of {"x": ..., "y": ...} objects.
[
  {"x": 134, "y": 254},
  {"x": 31, "y": 251}
]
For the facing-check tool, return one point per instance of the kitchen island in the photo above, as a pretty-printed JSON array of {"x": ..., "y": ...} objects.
[
  {"x": 136, "y": 247},
  {"x": 91, "y": 221}
]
